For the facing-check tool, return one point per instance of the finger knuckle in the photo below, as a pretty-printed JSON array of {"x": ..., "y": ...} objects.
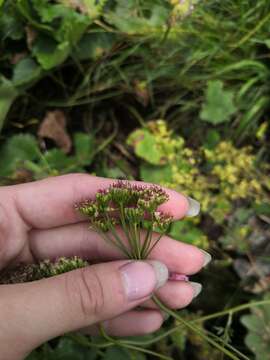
[{"x": 91, "y": 293}]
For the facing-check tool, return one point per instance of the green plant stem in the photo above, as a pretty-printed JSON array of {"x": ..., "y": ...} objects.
[
  {"x": 201, "y": 319},
  {"x": 148, "y": 251},
  {"x": 232, "y": 310},
  {"x": 125, "y": 228},
  {"x": 131, "y": 347},
  {"x": 193, "y": 328},
  {"x": 147, "y": 239},
  {"x": 114, "y": 242}
]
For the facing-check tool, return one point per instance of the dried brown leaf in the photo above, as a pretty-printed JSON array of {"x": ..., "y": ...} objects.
[{"x": 53, "y": 127}]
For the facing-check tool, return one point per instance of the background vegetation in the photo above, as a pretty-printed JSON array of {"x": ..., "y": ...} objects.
[{"x": 172, "y": 92}]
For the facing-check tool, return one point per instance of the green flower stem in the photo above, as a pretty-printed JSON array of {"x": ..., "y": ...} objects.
[
  {"x": 131, "y": 347},
  {"x": 232, "y": 310},
  {"x": 145, "y": 242},
  {"x": 195, "y": 329},
  {"x": 125, "y": 228},
  {"x": 148, "y": 251},
  {"x": 109, "y": 240},
  {"x": 146, "y": 351},
  {"x": 137, "y": 240}
]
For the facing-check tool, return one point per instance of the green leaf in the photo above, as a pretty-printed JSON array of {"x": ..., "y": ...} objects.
[
  {"x": 127, "y": 18},
  {"x": 257, "y": 324},
  {"x": 84, "y": 148},
  {"x": 218, "y": 106},
  {"x": 212, "y": 139},
  {"x": 188, "y": 232},
  {"x": 26, "y": 71},
  {"x": 262, "y": 209},
  {"x": 8, "y": 94},
  {"x": 66, "y": 349},
  {"x": 117, "y": 353},
  {"x": 145, "y": 146},
  {"x": 93, "y": 46},
  {"x": 16, "y": 150},
  {"x": 11, "y": 25},
  {"x": 56, "y": 159},
  {"x": 156, "y": 174},
  {"x": 267, "y": 43},
  {"x": 49, "y": 53},
  {"x": 94, "y": 8}
]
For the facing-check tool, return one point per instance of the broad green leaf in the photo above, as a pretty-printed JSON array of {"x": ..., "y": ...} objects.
[
  {"x": 257, "y": 324},
  {"x": 49, "y": 53},
  {"x": 66, "y": 349},
  {"x": 11, "y": 26},
  {"x": 219, "y": 105},
  {"x": 127, "y": 18},
  {"x": 56, "y": 159},
  {"x": 156, "y": 174},
  {"x": 8, "y": 94},
  {"x": 146, "y": 146},
  {"x": 15, "y": 151},
  {"x": 93, "y": 46},
  {"x": 26, "y": 72},
  {"x": 68, "y": 27},
  {"x": 117, "y": 353},
  {"x": 84, "y": 148},
  {"x": 188, "y": 232}
]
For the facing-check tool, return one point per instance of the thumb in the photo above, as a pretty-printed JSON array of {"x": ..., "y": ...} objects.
[{"x": 38, "y": 311}]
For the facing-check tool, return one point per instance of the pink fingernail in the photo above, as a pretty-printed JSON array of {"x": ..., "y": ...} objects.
[{"x": 178, "y": 277}]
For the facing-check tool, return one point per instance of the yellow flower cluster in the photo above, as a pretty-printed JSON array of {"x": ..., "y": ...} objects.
[
  {"x": 215, "y": 177},
  {"x": 234, "y": 172}
]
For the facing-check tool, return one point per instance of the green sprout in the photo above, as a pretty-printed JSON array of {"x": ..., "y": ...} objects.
[{"x": 133, "y": 208}]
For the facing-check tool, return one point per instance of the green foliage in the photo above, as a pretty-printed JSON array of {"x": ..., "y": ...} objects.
[
  {"x": 26, "y": 72},
  {"x": 21, "y": 152},
  {"x": 146, "y": 146},
  {"x": 187, "y": 232},
  {"x": 8, "y": 94},
  {"x": 218, "y": 106},
  {"x": 16, "y": 151},
  {"x": 66, "y": 350},
  {"x": 258, "y": 337}
]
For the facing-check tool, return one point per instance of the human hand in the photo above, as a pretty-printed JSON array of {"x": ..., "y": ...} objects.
[{"x": 38, "y": 221}]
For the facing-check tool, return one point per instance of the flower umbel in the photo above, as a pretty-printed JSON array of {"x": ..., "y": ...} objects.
[{"x": 133, "y": 207}]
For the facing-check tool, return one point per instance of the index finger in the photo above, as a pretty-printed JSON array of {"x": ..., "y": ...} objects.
[{"x": 50, "y": 202}]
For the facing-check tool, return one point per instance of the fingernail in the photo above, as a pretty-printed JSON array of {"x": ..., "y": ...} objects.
[
  {"x": 162, "y": 272},
  {"x": 178, "y": 277},
  {"x": 207, "y": 257},
  {"x": 194, "y": 207},
  {"x": 141, "y": 278},
  {"x": 197, "y": 288}
]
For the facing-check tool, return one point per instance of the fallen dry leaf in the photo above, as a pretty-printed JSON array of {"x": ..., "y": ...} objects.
[{"x": 53, "y": 127}]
